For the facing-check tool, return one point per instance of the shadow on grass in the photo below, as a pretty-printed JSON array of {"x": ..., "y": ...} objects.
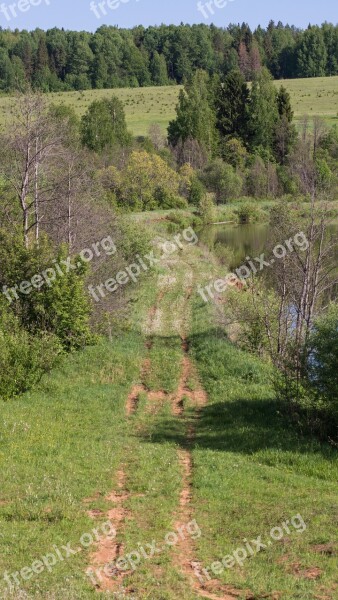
[{"x": 248, "y": 419}]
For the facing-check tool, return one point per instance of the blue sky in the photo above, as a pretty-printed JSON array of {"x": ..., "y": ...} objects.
[{"x": 76, "y": 14}]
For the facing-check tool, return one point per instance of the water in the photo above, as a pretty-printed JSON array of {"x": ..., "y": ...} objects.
[
  {"x": 243, "y": 240},
  {"x": 249, "y": 240}
]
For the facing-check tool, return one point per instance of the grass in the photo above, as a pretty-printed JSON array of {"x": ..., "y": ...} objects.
[
  {"x": 66, "y": 441},
  {"x": 144, "y": 106},
  {"x": 253, "y": 471},
  {"x": 59, "y": 445}
]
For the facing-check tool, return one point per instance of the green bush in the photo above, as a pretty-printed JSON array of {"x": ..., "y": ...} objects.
[
  {"x": 206, "y": 210},
  {"x": 197, "y": 191},
  {"x": 61, "y": 308},
  {"x": 323, "y": 359},
  {"x": 24, "y": 358},
  {"x": 248, "y": 212}
]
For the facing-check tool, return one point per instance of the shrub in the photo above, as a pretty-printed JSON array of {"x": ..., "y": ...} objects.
[
  {"x": 24, "y": 358},
  {"x": 206, "y": 210},
  {"x": 61, "y": 308},
  {"x": 222, "y": 179},
  {"x": 197, "y": 191},
  {"x": 323, "y": 360},
  {"x": 248, "y": 212}
]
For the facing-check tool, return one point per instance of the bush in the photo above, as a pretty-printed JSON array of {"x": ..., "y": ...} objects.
[
  {"x": 248, "y": 212},
  {"x": 61, "y": 308},
  {"x": 197, "y": 191},
  {"x": 222, "y": 179},
  {"x": 206, "y": 210},
  {"x": 178, "y": 222},
  {"x": 24, "y": 358},
  {"x": 323, "y": 360}
]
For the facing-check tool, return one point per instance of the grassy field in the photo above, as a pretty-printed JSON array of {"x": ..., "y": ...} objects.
[
  {"x": 167, "y": 424},
  {"x": 144, "y": 106}
]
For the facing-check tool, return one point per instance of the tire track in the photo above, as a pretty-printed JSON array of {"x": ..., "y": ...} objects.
[
  {"x": 104, "y": 575},
  {"x": 185, "y": 557}
]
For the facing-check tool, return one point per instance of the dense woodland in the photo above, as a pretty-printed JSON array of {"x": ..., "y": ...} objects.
[{"x": 58, "y": 60}]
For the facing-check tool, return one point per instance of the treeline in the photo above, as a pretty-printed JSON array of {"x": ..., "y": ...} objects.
[{"x": 58, "y": 60}]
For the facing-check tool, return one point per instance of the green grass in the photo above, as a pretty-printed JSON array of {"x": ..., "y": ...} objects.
[
  {"x": 144, "y": 106},
  {"x": 59, "y": 445},
  {"x": 65, "y": 442},
  {"x": 253, "y": 471}
]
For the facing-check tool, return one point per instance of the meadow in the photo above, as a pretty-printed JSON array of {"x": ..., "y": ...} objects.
[
  {"x": 166, "y": 424},
  {"x": 144, "y": 106}
]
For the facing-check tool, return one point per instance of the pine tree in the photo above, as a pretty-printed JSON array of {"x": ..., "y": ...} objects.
[
  {"x": 195, "y": 115},
  {"x": 231, "y": 101},
  {"x": 285, "y": 130},
  {"x": 263, "y": 111}
]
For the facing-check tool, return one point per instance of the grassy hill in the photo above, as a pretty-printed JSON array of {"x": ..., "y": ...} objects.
[{"x": 143, "y": 106}]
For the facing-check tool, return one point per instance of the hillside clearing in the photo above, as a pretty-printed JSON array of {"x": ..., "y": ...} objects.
[{"x": 144, "y": 106}]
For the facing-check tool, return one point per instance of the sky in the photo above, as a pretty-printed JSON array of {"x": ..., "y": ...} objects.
[{"x": 78, "y": 14}]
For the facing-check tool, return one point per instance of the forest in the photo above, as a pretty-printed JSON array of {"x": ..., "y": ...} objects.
[{"x": 57, "y": 59}]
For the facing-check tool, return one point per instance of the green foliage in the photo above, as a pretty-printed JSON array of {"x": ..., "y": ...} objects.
[
  {"x": 285, "y": 134},
  {"x": 222, "y": 179},
  {"x": 60, "y": 308},
  {"x": 232, "y": 98},
  {"x": 324, "y": 174},
  {"x": 104, "y": 125},
  {"x": 195, "y": 115},
  {"x": 234, "y": 152},
  {"x": 312, "y": 54},
  {"x": 323, "y": 359},
  {"x": 24, "y": 357},
  {"x": 248, "y": 212},
  {"x": 263, "y": 110},
  {"x": 112, "y": 57},
  {"x": 147, "y": 183},
  {"x": 197, "y": 191},
  {"x": 206, "y": 210}
]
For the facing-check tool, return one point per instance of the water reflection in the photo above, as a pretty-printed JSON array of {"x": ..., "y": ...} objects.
[{"x": 249, "y": 240}]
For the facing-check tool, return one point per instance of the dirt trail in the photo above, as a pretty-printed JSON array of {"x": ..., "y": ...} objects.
[
  {"x": 185, "y": 558},
  {"x": 189, "y": 390},
  {"x": 102, "y": 571}
]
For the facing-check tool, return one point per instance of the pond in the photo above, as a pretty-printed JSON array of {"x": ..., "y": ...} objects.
[{"x": 247, "y": 240}]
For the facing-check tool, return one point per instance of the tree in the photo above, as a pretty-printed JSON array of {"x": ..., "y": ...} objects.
[
  {"x": 312, "y": 54},
  {"x": 195, "y": 115},
  {"x": 223, "y": 181},
  {"x": 29, "y": 147},
  {"x": 232, "y": 102},
  {"x": 244, "y": 61},
  {"x": 323, "y": 356},
  {"x": 6, "y": 72},
  {"x": 148, "y": 182},
  {"x": 158, "y": 69},
  {"x": 104, "y": 125},
  {"x": 285, "y": 131},
  {"x": 263, "y": 110},
  {"x": 156, "y": 136}
]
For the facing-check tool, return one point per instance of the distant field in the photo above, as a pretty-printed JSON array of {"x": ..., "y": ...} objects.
[{"x": 143, "y": 106}]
